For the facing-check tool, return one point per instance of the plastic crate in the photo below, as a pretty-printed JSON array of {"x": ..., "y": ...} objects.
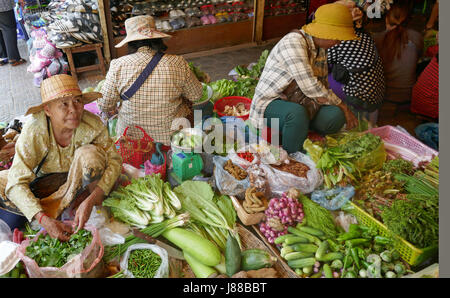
[{"x": 411, "y": 254}]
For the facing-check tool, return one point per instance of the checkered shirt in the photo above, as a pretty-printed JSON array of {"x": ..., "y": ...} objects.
[
  {"x": 292, "y": 58},
  {"x": 163, "y": 97}
]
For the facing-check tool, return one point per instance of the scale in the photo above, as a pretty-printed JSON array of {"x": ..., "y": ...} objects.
[{"x": 186, "y": 164}]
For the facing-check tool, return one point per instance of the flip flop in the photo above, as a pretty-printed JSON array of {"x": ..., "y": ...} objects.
[{"x": 18, "y": 62}]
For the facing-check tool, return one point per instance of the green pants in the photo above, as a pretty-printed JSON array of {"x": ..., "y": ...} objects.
[{"x": 294, "y": 122}]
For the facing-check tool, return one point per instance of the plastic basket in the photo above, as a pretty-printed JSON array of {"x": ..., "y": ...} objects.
[
  {"x": 397, "y": 137},
  {"x": 411, "y": 254},
  {"x": 219, "y": 106},
  {"x": 135, "y": 152}
]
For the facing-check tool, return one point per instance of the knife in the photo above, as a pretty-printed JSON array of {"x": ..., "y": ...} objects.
[{"x": 171, "y": 251}]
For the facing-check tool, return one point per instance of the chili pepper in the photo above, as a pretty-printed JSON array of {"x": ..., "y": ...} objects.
[
  {"x": 356, "y": 242},
  {"x": 355, "y": 257},
  {"x": 365, "y": 264},
  {"x": 361, "y": 253},
  {"x": 348, "y": 261},
  {"x": 333, "y": 245},
  {"x": 380, "y": 240},
  {"x": 349, "y": 235}
]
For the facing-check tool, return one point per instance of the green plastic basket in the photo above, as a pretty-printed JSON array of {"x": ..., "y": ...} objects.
[{"x": 412, "y": 255}]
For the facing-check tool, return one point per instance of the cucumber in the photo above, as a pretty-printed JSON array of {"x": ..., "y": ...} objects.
[
  {"x": 282, "y": 238},
  {"x": 327, "y": 271},
  {"x": 286, "y": 250},
  {"x": 311, "y": 238},
  {"x": 232, "y": 256},
  {"x": 330, "y": 257},
  {"x": 296, "y": 239},
  {"x": 322, "y": 250},
  {"x": 305, "y": 247},
  {"x": 299, "y": 271},
  {"x": 311, "y": 231},
  {"x": 301, "y": 263},
  {"x": 298, "y": 255},
  {"x": 254, "y": 259},
  {"x": 307, "y": 270}
]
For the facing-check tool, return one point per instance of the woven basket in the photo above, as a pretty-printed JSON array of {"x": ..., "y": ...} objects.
[{"x": 249, "y": 241}]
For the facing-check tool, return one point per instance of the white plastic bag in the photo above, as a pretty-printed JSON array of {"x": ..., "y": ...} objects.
[
  {"x": 225, "y": 182},
  {"x": 5, "y": 231},
  {"x": 280, "y": 181},
  {"x": 99, "y": 217},
  {"x": 240, "y": 161},
  {"x": 269, "y": 154},
  {"x": 163, "y": 270}
]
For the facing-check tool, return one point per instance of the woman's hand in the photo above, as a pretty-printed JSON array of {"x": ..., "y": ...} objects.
[
  {"x": 352, "y": 121},
  {"x": 84, "y": 210},
  {"x": 55, "y": 228}
]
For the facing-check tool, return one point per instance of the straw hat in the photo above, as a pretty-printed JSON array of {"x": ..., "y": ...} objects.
[
  {"x": 140, "y": 28},
  {"x": 61, "y": 86},
  {"x": 354, "y": 10},
  {"x": 332, "y": 21}
]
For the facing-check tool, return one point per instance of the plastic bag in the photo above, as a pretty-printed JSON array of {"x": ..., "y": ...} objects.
[
  {"x": 345, "y": 219},
  {"x": 163, "y": 270},
  {"x": 233, "y": 155},
  {"x": 225, "y": 182},
  {"x": 341, "y": 196},
  {"x": 280, "y": 181},
  {"x": 258, "y": 179},
  {"x": 99, "y": 217},
  {"x": 86, "y": 264},
  {"x": 5, "y": 232},
  {"x": 269, "y": 154}
]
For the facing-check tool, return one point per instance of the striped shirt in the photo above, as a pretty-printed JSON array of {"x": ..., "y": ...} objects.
[
  {"x": 163, "y": 97},
  {"x": 292, "y": 58},
  {"x": 6, "y": 5}
]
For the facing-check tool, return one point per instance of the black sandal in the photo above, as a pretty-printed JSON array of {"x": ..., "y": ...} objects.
[{"x": 18, "y": 62}]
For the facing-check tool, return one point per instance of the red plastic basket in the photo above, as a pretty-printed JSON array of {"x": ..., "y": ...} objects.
[
  {"x": 219, "y": 106},
  {"x": 135, "y": 152}
]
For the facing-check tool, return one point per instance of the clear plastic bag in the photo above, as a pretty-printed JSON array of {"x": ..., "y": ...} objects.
[
  {"x": 5, "y": 231},
  {"x": 280, "y": 181},
  {"x": 163, "y": 270},
  {"x": 233, "y": 155},
  {"x": 86, "y": 264},
  {"x": 225, "y": 182},
  {"x": 341, "y": 196}
]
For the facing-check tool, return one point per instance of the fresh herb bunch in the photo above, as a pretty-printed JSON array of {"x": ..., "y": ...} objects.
[
  {"x": 143, "y": 263},
  {"x": 361, "y": 145},
  {"x": 50, "y": 252},
  {"x": 398, "y": 166}
]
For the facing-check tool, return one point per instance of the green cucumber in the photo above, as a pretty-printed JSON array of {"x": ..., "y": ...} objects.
[
  {"x": 305, "y": 247},
  {"x": 296, "y": 239},
  {"x": 298, "y": 255},
  {"x": 301, "y": 263},
  {"x": 254, "y": 259},
  {"x": 282, "y": 238},
  {"x": 322, "y": 250},
  {"x": 311, "y": 231},
  {"x": 232, "y": 256},
  {"x": 327, "y": 271},
  {"x": 330, "y": 257},
  {"x": 307, "y": 270},
  {"x": 311, "y": 238},
  {"x": 285, "y": 250}
]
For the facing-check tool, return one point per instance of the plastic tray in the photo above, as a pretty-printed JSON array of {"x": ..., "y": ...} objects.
[{"x": 411, "y": 254}]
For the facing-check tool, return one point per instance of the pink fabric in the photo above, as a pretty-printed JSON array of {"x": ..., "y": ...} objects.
[{"x": 92, "y": 107}]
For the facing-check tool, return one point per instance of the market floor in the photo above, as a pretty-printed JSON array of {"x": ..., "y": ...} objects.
[{"x": 20, "y": 93}]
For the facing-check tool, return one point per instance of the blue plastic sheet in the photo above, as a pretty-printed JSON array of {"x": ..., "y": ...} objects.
[
  {"x": 341, "y": 195},
  {"x": 428, "y": 133}
]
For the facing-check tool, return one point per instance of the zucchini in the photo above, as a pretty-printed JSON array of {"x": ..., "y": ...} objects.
[
  {"x": 311, "y": 231},
  {"x": 197, "y": 246},
  {"x": 311, "y": 238},
  {"x": 298, "y": 255},
  {"x": 330, "y": 257},
  {"x": 200, "y": 270},
  {"x": 305, "y": 247},
  {"x": 232, "y": 256},
  {"x": 254, "y": 259},
  {"x": 301, "y": 263},
  {"x": 327, "y": 271},
  {"x": 322, "y": 250},
  {"x": 296, "y": 239}
]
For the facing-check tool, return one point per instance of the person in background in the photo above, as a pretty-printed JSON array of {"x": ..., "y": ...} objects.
[
  {"x": 433, "y": 20},
  {"x": 9, "y": 52},
  {"x": 400, "y": 49},
  {"x": 293, "y": 87},
  {"x": 155, "y": 98},
  {"x": 357, "y": 74},
  {"x": 65, "y": 162}
]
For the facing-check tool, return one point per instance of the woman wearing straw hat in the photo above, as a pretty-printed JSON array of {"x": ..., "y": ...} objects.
[
  {"x": 60, "y": 143},
  {"x": 153, "y": 88},
  {"x": 293, "y": 87}
]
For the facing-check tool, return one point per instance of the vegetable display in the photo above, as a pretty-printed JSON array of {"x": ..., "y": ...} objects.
[
  {"x": 146, "y": 200},
  {"x": 143, "y": 263},
  {"x": 51, "y": 252}
]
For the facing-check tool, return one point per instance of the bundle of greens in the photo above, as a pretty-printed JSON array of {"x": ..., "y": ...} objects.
[
  {"x": 398, "y": 166},
  {"x": 212, "y": 216},
  {"x": 146, "y": 200},
  {"x": 317, "y": 217},
  {"x": 50, "y": 252},
  {"x": 430, "y": 172},
  {"x": 153, "y": 230},
  {"x": 223, "y": 88},
  {"x": 201, "y": 76},
  {"x": 256, "y": 70}
]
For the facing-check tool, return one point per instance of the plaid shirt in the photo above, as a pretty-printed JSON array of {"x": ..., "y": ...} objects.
[
  {"x": 292, "y": 59},
  {"x": 163, "y": 97},
  {"x": 6, "y": 5}
]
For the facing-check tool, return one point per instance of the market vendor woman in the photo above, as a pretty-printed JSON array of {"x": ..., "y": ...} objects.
[
  {"x": 60, "y": 138},
  {"x": 154, "y": 88},
  {"x": 293, "y": 86}
]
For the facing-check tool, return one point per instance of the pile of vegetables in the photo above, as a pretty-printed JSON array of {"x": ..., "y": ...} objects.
[
  {"x": 212, "y": 216},
  {"x": 186, "y": 140},
  {"x": 51, "y": 252},
  {"x": 17, "y": 272},
  {"x": 143, "y": 263},
  {"x": 280, "y": 215},
  {"x": 146, "y": 200},
  {"x": 430, "y": 172}
]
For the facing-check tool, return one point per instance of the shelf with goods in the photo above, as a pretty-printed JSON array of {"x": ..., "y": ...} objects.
[{"x": 196, "y": 25}]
